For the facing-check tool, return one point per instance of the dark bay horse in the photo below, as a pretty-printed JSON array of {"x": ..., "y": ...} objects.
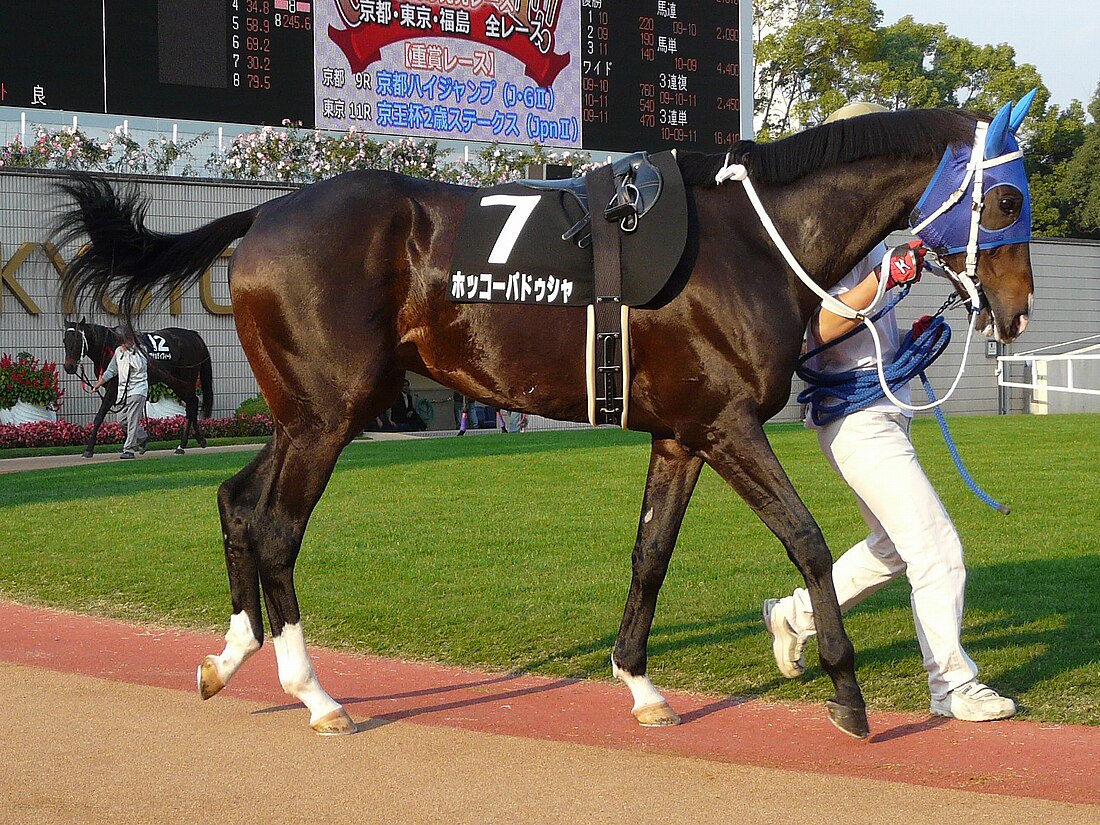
[
  {"x": 341, "y": 287},
  {"x": 177, "y": 358}
]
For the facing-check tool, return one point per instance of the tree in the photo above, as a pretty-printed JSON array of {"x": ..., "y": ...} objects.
[
  {"x": 1078, "y": 187},
  {"x": 808, "y": 54},
  {"x": 813, "y": 56}
]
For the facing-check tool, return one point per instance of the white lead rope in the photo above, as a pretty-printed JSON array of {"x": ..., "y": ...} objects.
[{"x": 737, "y": 171}]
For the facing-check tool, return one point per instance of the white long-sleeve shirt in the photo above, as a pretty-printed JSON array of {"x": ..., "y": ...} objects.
[
  {"x": 858, "y": 352},
  {"x": 132, "y": 371}
]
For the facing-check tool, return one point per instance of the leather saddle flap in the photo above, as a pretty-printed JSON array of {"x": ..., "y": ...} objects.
[{"x": 511, "y": 245}]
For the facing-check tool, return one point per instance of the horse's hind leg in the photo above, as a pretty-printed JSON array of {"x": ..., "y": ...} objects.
[
  {"x": 190, "y": 422},
  {"x": 305, "y": 465},
  {"x": 237, "y": 498},
  {"x": 671, "y": 480},
  {"x": 744, "y": 458},
  {"x": 264, "y": 511}
]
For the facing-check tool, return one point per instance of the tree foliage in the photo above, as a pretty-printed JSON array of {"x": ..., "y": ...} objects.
[{"x": 813, "y": 56}]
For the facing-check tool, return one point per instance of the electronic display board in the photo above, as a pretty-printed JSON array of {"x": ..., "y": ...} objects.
[{"x": 614, "y": 75}]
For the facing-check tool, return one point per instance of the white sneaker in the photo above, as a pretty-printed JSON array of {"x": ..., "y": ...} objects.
[
  {"x": 974, "y": 702},
  {"x": 788, "y": 644}
]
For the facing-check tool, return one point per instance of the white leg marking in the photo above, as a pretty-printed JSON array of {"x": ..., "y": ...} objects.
[
  {"x": 648, "y": 516},
  {"x": 296, "y": 673},
  {"x": 240, "y": 643},
  {"x": 640, "y": 687}
]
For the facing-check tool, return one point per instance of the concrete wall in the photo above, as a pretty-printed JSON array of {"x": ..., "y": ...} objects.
[{"x": 1067, "y": 298}]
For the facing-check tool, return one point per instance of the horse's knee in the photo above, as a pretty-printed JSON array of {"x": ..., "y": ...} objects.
[{"x": 809, "y": 552}]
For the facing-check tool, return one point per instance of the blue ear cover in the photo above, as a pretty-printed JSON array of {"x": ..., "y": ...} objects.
[
  {"x": 1019, "y": 111},
  {"x": 998, "y": 132}
]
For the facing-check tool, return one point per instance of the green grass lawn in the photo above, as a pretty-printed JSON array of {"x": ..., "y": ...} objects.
[{"x": 514, "y": 552}]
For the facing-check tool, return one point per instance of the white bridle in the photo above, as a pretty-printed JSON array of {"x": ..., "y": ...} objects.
[
  {"x": 968, "y": 279},
  {"x": 83, "y": 343}
]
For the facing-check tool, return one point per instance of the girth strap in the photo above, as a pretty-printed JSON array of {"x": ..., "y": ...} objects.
[{"x": 606, "y": 350}]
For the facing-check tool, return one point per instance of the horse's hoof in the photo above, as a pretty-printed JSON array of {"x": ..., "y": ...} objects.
[
  {"x": 656, "y": 716},
  {"x": 202, "y": 444},
  {"x": 88, "y": 454},
  {"x": 336, "y": 723},
  {"x": 210, "y": 683},
  {"x": 179, "y": 450},
  {"x": 853, "y": 721}
]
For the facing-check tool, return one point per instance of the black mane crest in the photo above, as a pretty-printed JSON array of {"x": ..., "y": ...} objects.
[{"x": 911, "y": 133}]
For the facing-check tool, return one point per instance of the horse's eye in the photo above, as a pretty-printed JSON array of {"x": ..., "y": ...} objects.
[{"x": 1008, "y": 205}]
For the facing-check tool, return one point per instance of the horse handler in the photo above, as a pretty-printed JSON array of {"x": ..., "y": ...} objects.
[
  {"x": 133, "y": 386},
  {"x": 911, "y": 532}
]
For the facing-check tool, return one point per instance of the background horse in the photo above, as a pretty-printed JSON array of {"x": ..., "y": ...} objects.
[
  {"x": 342, "y": 286},
  {"x": 188, "y": 364}
]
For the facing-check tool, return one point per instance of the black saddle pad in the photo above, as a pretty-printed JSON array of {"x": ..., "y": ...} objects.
[
  {"x": 155, "y": 348},
  {"x": 510, "y": 247}
]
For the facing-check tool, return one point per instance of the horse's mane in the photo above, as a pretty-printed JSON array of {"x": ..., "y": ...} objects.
[{"x": 914, "y": 133}]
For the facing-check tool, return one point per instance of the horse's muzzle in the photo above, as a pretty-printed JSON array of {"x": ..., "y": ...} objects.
[{"x": 990, "y": 325}]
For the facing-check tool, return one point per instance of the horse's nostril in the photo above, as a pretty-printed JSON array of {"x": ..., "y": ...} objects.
[{"x": 1020, "y": 325}]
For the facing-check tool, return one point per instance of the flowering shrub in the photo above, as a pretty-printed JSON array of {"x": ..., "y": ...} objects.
[
  {"x": 15, "y": 154},
  {"x": 499, "y": 164},
  {"x": 289, "y": 155},
  {"x": 167, "y": 429},
  {"x": 64, "y": 433},
  {"x": 71, "y": 148},
  {"x": 59, "y": 433},
  {"x": 24, "y": 378},
  {"x": 67, "y": 148},
  {"x": 157, "y": 157}
]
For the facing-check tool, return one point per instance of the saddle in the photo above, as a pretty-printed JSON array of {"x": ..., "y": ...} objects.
[
  {"x": 637, "y": 186},
  {"x": 537, "y": 242}
]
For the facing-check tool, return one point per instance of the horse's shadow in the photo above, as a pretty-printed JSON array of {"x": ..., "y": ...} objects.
[
  {"x": 688, "y": 634},
  {"x": 1055, "y": 649}
]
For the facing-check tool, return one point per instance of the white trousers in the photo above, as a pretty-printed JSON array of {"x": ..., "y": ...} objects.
[{"x": 911, "y": 533}]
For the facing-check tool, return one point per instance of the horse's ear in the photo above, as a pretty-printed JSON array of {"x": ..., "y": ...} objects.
[
  {"x": 998, "y": 133},
  {"x": 1019, "y": 111},
  {"x": 83, "y": 318}
]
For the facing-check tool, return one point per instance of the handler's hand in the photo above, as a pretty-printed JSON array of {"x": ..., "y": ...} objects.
[{"x": 906, "y": 263}]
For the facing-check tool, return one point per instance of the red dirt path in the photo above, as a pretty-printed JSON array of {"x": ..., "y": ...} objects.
[{"x": 1053, "y": 762}]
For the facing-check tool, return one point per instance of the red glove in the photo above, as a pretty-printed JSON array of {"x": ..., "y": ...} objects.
[
  {"x": 906, "y": 263},
  {"x": 921, "y": 324}
]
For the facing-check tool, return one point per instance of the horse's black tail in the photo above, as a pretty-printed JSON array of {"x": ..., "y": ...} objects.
[
  {"x": 206, "y": 376},
  {"x": 126, "y": 257}
]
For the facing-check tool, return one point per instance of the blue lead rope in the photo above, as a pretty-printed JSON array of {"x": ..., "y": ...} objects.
[{"x": 835, "y": 395}]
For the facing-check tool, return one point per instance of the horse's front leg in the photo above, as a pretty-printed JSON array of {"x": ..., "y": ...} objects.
[
  {"x": 744, "y": 458},
  {"x": 669, "y": 484},
  {"x": 104, "y": 407}
]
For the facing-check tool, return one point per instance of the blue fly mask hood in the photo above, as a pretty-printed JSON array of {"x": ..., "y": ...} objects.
[{"x": 943, "y": 219}]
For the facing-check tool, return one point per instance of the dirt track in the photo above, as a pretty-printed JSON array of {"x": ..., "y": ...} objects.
[{"x": 83, "y": 743}]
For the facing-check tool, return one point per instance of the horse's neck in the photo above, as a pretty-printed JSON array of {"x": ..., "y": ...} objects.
[
  {"x": 100, "y": 345},
  {"x": 838, "y": 215}
]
